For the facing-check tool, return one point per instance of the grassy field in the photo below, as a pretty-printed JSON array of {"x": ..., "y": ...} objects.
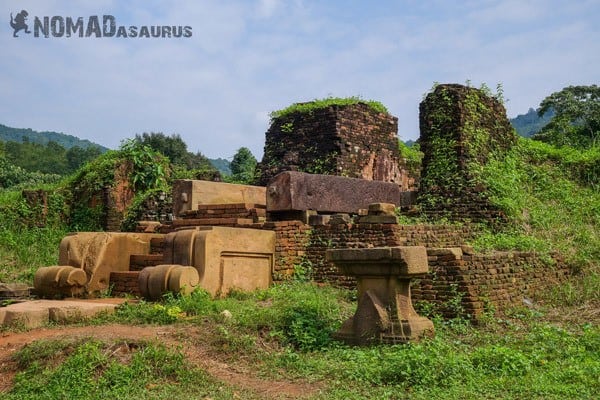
[
  {"x": 281, "y": 337},
  {"x": 283, "y": 334}
]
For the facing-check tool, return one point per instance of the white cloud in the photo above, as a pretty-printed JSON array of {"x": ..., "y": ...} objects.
[{"x": 247, "y": 59}]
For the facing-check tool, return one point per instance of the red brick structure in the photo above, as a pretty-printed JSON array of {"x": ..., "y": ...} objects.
[
  {"x": 462, "y": 128},
  {"x": 348, "y": 140}
]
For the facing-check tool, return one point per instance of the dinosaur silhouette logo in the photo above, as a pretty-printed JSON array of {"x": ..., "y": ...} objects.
[{"x": 18, "y": 23}]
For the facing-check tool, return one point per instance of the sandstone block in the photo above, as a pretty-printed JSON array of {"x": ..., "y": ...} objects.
[
  {"x": 382, "y": 209},
  {"x": 225, "y": 258},
  {"x": 297, "y": 191},
  {"x": 188, "y": 194}
]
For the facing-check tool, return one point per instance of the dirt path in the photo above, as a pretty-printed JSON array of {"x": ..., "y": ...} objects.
[{"x": 200, "y": 355}]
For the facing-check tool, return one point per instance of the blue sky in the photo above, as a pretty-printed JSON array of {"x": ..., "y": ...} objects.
[{"x": 248, "y": 58}]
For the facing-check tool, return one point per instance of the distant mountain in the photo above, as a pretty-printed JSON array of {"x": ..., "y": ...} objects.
[
  {"x": 8, "y": 134},
  {"x": 222, "y": 165},
  {"x": 528, "y": 124}
]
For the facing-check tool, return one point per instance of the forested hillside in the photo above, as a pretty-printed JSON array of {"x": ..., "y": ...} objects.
[
  {"x": 531, "y": 123},
  {"x": 19, "y": 135}
]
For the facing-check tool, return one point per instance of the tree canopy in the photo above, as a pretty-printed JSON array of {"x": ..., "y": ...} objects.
[
  {"x": 175, "y": 149},
  {"x": 576, "y": 121},
  {"x": 243, "y": 166}
]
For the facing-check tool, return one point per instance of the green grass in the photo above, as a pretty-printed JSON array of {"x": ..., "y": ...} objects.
[
  {"x": 552, "y": 200},
  {"x": 521, "y": 355},
  {"x": 300, "y": 315},
  {"x": 25, "y": 247},
  {"x": 316, "y": 104},
  {"x": 91, "y": 369},
  {"x": 24, "y": 250}
]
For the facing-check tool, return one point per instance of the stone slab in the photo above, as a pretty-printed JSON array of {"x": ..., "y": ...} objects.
[
  {"x": 319, "y": 220},
  {"x": 226, "y": 258},
  {"x": 298, "y": 191},
  {"x": 13, "y": 290},
  {"x": 382, "y": 209},
  {"x": 399, "y": 260},
  {"x": 36, "y": 313},
  {"x": 188, "y": 194}
]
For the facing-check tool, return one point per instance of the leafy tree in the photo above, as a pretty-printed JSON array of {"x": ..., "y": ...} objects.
[
  {"x": 171, "y": 146},
  {"x": 175, "y": 149},
  {"x": 185, "y": 164},
  {"x": 35, "y": 157},
  {"x": 576, "y": 121},
  {"x": 243, "y": 166}
]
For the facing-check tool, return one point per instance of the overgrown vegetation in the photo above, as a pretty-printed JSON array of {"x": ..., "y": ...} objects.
[
  {"x": 412, "y": 156},
  {"x": 28, "y": 238},
  {"x": 463, "y": 131},
  {"x": 139, "y": 165},
  {"x": 184, "y": 163},
  {"x": 301, "y": 315},
  {"x": 552, "y": 199},
  {"x": 15, "y": 177},
  {"x": 284, "y": 333},
  {"x": 576, "y": 119},
  {"x": 316, "y": 104},
  {"x": 92, "y": 369}
]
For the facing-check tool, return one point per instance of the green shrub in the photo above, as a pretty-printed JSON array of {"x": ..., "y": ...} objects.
[{"x": 149, "y": 313}]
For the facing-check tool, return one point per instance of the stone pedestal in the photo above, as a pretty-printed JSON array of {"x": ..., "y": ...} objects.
[{"x": 385, "y": 313}]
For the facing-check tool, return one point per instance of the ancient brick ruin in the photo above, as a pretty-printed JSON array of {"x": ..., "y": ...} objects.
[
  {"x": 347, "y": 140},
  {"x": 479, "y": 281},
  {"x": 461, "y": 129},
  {"x": 309, "y": 214}
]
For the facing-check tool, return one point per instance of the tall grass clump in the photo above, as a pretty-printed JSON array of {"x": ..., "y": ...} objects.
[
  {"x": 551, "y": 197},
  {"x": 28, "y": 239},
  {"x": 296, "y": 314}
]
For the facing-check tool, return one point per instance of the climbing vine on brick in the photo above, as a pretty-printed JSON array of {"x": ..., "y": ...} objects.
[{"x": 462, "y": 129}]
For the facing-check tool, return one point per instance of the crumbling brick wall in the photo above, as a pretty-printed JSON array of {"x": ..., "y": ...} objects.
[
  {"x": 462, "y": 128},
  {"x": 461, "y": 281},
  {"x": 291, "y": 240},
  {"x": 349, "y": 140},
  {"x": 332, "y": 236},
  {"x": 458, "y": 277}
]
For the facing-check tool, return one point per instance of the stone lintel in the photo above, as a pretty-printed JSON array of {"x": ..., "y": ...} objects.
[
  {"x": 400, "y": 260},
  {"x": 291, "y": 190}
]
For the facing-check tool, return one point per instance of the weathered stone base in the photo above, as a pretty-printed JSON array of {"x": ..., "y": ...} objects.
[{"x": 385, "y": 313}]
